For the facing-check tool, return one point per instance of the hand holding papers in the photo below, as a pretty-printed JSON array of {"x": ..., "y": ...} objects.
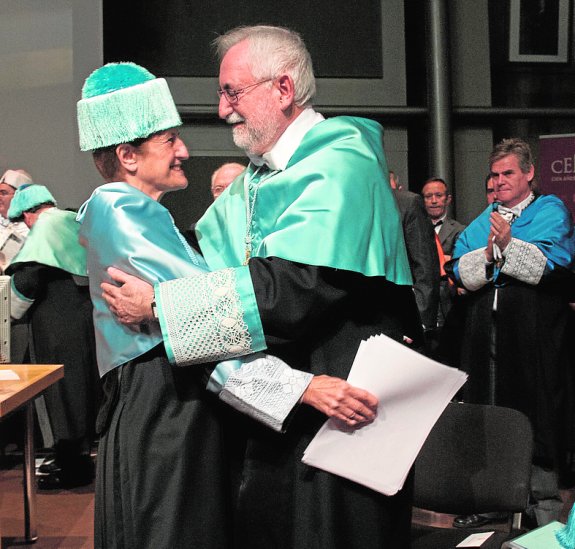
[{"x": 413, "y": 391}]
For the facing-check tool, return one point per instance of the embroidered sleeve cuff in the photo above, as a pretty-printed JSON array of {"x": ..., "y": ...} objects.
[
  {"x": 524, "y": 261},
  {"x": 19, "y": 303},
  {"x": 473, "y": 269},
  {"x": 209, "y": 317},
  {"x": 262, "y": 387}
]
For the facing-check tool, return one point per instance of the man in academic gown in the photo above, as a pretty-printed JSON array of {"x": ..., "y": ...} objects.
[
  {"x": 49, "y": 280},
  {"x": 313, "y": 238},
  {"x": 514, "y": 261}
]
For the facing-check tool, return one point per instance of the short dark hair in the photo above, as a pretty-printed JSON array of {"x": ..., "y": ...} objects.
[
  {"x": 515, "y": 146},
  {"x": 32, "y": 210},
  {"x": 107, "y": 161},
  {"x": 437, "y": 180}
]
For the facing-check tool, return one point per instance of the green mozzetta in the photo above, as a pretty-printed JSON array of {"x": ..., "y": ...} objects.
[
  {"x": 53, "y": 241},
  {"x": 330, "y": 207}
]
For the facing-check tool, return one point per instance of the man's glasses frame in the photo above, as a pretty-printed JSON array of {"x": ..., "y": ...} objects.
[{"x": 233, "y": 96}]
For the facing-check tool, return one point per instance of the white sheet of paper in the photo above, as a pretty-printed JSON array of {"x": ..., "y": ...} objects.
[
  {"x": 475, "y": 540},
  {"x": 8, "y": 375},
  {"x": 413, "y": 391}
]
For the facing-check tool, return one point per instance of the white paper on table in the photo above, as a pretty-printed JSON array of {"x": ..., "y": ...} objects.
[
  {"x": 413, "y": 391},
  {"x": 476, "y": 540},
  {"x": 8, "y": 375}
]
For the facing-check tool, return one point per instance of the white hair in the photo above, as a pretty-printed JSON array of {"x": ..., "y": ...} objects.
[{"x": 274, "y": 51}]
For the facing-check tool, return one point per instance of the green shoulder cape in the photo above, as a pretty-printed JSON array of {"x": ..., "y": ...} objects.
[
  {"x": 53, "y": 241},
  {"x": 332, "y": 206}
]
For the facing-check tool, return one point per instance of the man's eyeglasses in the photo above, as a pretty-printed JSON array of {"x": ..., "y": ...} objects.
[
  {"x": 233, "y": 96},
  {"x": 6, "y": 193}
]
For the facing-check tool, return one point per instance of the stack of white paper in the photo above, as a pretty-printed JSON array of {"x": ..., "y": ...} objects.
[{"x": 413, "y": 391}]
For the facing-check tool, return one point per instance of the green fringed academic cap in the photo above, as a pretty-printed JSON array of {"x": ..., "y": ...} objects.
[
  {"x": 27, "y": 197},
  {"x": 122, "y": 102}
]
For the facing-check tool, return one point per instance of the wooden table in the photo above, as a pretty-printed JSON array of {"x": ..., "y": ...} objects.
[{"x": 14, "y": 394}]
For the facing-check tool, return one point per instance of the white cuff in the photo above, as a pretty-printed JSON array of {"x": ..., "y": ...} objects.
[
  {"x": 472, "y": 269},
  {"x": 19, "y": 304},
  {"x": 266, "y": 389},
  {"x": 524, "y": 261}
]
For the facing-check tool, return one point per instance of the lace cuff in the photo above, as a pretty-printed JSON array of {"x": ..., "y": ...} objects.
[
  {"x": 524, "y": 261},
  {"x": 209, "y": 317},
  {"x": 264, "y": 388},
  {"x": 472, "y": 269},
  {"x": 19, "y": 303}
]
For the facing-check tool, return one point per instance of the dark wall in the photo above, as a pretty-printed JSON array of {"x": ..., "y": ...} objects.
[
  {"x": 172, "y": 38},
  {"x": 519, "y": 84}
]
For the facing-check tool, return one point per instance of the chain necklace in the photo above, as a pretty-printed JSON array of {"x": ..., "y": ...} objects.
[{"x": 251, "y": 203}]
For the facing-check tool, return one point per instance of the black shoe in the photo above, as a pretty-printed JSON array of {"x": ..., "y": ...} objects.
[
  {"x": 496, "y": 516},
  {"x": 79, "y": 472},
  {"x": 58, "y": 481},
  {"x": 48, "y": 467},
  {"x": 470, "y": 521}
]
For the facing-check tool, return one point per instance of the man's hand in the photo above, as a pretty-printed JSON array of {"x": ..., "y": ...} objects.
[
  {"x": 130, "y": 300},
  {"x": 500, "y": 230},
  {"x": 336, "y": 398}
]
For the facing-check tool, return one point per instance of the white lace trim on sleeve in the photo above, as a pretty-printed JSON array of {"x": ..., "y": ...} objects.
[
  {"x": 524, "y": 261},
  {"x": 472, "y": 269},
  {"x": 266, "y": 389},
  {"x": 204, "y": 318}
]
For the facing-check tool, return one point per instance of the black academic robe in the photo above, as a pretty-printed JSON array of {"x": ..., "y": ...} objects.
[
  {"x": 62, "y": 332},
  {"x": 532, "y": 361},
  {"x": 162, "y": 479},
  {"x": 314, "y": 318}
]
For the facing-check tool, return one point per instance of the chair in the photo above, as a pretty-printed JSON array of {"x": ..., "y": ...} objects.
[{"x": 476, "y": 459}]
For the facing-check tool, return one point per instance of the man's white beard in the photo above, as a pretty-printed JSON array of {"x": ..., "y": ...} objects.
[{"x": 249, "y": 138}]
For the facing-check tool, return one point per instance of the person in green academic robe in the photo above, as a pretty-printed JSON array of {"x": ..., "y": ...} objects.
[{"x": 313, "y": 237}]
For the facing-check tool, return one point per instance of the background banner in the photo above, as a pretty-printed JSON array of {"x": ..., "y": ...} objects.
[{"x": 557, "y": 167}]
